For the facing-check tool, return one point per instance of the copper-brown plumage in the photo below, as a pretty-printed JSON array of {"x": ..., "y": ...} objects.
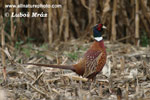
[{"x": 92, "y": 62}]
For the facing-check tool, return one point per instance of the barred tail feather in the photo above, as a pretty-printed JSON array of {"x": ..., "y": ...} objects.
[{"x": 69, "y": 67}]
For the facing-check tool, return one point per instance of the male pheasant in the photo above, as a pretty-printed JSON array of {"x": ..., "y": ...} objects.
[{"x": 93, "y": 60}]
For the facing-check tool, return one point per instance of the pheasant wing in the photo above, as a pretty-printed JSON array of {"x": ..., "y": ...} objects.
[{"x": 92, "y": 57}]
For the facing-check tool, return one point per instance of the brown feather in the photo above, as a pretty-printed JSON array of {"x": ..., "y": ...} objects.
[{"x": 70, "y": 67}]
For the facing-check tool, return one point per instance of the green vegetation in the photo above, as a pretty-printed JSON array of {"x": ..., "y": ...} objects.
[
  {"x": 73, "y": 55},
  {"x": 26, "y": 51},
  {"x": 44, "y": 46},
  {"x": 18, "y": 44},
  {"x": 144, "y": 39},
  {"x": 108, "y": 50}
]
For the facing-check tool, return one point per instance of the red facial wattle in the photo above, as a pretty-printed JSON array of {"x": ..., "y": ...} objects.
[{"x": 99, "y": 27}]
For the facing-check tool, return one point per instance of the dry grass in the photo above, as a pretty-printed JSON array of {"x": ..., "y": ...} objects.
[{"x": 127, "y": 71}]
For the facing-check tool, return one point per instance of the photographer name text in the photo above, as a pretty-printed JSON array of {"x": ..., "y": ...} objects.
[{"x": 32, "y": 14}]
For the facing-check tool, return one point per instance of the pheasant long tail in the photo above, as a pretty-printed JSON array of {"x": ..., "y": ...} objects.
[{"x": 69, "y": 67}]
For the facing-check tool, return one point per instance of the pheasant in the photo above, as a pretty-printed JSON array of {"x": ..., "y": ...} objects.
[{"x": 93, "y": 60}]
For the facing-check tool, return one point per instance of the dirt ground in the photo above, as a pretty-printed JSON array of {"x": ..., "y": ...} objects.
[{"x": 126, "y": 74}]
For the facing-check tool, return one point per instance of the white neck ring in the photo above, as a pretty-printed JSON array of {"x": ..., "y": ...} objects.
[{"x": 98, "y": 38}]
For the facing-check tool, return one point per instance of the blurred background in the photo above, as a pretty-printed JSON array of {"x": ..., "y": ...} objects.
[{"x": 127, "y": 21}]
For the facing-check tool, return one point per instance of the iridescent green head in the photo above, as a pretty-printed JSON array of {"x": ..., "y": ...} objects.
[{"x": 97, "y": 31}]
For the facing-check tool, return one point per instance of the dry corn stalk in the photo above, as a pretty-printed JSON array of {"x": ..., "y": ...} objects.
[
  {"x": 122, "y": 61},
  {"x": 105, "y": 10},
  {"x": 50, "y": 33},
  {"x": 18, "y": 30},
  {"x": 66, "y": 34},
  {"x": 3, "y": 46},
  {"x": 113, "y": 31},
  {"x": 76, "y": 18},
  {"x": 29, "y": 23},
  {"x": 92, "y": 12},
  {"x": 64, "y": 21},
  {"x": 12, "y": 25},
  {"x": 137, "y": 22}
]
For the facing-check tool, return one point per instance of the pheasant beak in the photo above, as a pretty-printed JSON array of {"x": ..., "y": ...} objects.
[{"x": 104, "y": 27}]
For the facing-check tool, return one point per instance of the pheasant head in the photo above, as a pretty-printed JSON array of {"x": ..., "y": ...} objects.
[{"x": 97, "y": 32}]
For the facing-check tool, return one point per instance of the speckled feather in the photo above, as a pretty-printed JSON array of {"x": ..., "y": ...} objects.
[{"x": 91, "y": 62}]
